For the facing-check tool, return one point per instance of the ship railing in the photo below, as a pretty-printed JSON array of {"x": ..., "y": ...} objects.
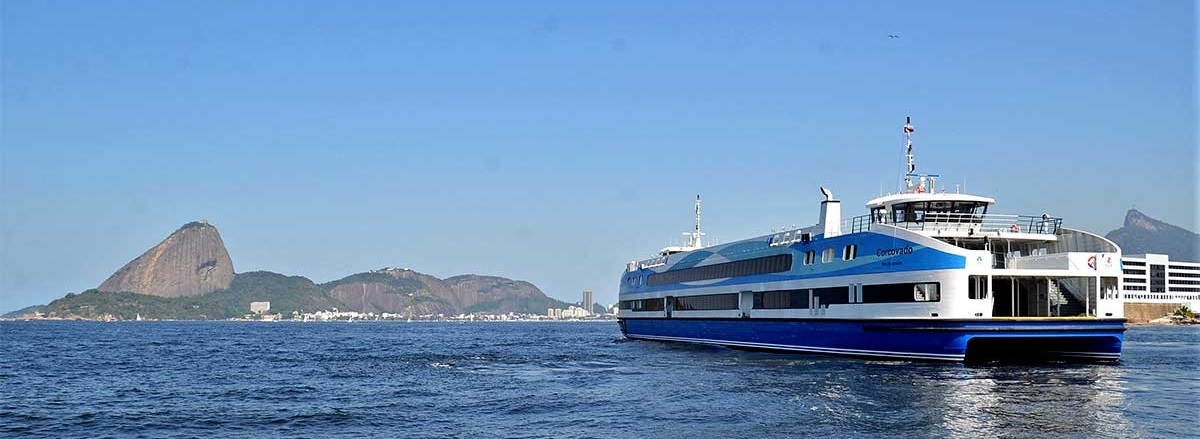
[
  {"x": 650, "y": 263},
  {"x": 993, "y": 224}
]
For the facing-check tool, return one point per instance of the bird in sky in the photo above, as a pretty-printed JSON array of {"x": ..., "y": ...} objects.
[{"x": 893, "y": 35}]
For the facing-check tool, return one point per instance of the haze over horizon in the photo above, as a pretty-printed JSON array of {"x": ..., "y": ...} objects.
[{"x": 554, "y": 142}]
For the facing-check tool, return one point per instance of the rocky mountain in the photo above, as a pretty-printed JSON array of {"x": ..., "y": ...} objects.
[
  {"x": 1143, "y": 234},
  {"x": 190, "y": 262}
]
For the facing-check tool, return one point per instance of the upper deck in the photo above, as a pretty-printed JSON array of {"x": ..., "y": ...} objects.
[{"x": 953, "y": 216}]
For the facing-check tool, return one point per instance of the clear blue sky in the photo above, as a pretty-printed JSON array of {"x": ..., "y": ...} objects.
[{"x": 554, "y": 141}]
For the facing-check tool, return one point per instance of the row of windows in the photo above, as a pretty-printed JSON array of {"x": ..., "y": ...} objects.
[
  {"x": 849, "y": 253},
  {"x": 801, "y": 299},
  {"x": 1161, "y": 297},
  {"x": 1185, "y": 274},
  {"x": 1156, "y": 290},
  {"x": 1135, "y": 280},
  {"x": 1186, "y": 267},
  {"x": 1134, "y": 263},
  {"x": 1158, "y": 278},
  {"x": 818, "y": 297},
  {"x": 749, "y": 267},
  {"x": 1129, "y": 271},
  {"x": 642, "y": 305},
  {"x": 706, "y": 302},
  {"x": 1184, "y": 282}
]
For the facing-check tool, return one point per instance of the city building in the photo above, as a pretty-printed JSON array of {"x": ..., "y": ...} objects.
[
  {"x": 260, "y": 307},
  {"x": 1154, "y": 278},
  {"x": 587, "y": 301}
]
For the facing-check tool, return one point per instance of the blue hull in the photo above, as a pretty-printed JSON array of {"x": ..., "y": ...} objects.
[{"x": 941, "y": 340}]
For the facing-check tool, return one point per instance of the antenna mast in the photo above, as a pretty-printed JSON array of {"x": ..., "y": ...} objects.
[
  {"x": 693, "y": 238},
  {"x": 909, "y": 174}
]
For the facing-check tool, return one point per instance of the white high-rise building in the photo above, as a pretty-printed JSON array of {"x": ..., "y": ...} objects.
[{"x": 1154, "y": 278}]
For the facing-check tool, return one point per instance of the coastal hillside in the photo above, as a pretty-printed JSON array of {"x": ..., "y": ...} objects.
[
  {"x": 1142, "y": 234},
  {"x": 399, "y": 290},
  {"x": 189, "y": 276},
  {"x": 286, "y": 294},
  {"x": 190, "y": 262}
]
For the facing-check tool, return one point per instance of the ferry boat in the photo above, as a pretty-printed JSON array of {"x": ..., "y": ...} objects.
[{"x": 926, "y": 274}]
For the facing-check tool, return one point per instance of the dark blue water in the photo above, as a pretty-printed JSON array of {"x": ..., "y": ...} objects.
[{"x": 160, "y": 379}]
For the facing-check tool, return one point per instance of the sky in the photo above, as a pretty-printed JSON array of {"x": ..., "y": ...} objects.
[{"x": 555, "y": 141}]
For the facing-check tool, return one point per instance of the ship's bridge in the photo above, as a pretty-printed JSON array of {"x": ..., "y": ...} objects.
[{"x": 954, "y": 216}]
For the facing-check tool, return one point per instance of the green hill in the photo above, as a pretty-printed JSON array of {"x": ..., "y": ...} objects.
[{"x": 286, "y": 294}]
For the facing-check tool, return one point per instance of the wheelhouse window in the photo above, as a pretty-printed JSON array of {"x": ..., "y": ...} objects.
[
  {"x": 899, "y": 213},
  {"x": 877, "y": 215},
  {"x": 933, "y": 211}
]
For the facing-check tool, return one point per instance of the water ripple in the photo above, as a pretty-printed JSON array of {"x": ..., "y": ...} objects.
[{"x": 185, "y": 379}]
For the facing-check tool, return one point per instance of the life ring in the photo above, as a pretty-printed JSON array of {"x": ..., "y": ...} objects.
[{"x": 1015, "y": 228}]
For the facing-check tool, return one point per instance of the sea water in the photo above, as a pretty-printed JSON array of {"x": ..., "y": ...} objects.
[{"x": 563, "y": 379}]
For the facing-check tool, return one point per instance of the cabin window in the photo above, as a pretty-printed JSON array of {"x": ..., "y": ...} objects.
[
  {"x": 824, "y": 297},
  {"x": 901, "y": 293},
  {"x": 641, "y": 305},
  {"x": 782, "y": 299},
  {"x": 850, "y": 252},
  {"x": 827, "y": 256},
  {"x": 977, "y": 287},
  {"x": 706, "y": 302},
  {"x": 810, "y": 257},
  {"x": 748, "y": 267}
]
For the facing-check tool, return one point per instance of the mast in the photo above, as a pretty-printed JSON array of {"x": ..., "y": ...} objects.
[
  {"x": 693, "y": 238},
  {"x": 908, "y": 152}
]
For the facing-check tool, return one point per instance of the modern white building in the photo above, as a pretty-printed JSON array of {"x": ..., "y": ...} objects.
[
  {"x": 260, "y": 307},
  {"x": 1154, "y": 278}
]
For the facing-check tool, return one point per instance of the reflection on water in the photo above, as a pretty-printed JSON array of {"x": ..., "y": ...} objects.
[{"x": 1064, "y": 401}]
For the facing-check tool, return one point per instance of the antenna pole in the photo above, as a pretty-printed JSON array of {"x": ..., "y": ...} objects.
[
  {"x": 696, "y": 234},
  {"x": 908, "y": 130}
]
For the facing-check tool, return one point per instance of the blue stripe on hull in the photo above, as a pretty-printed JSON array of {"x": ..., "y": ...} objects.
[{"x": 945, "y": 340}]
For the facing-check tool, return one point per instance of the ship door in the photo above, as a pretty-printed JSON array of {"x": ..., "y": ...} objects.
[{"x": 669, "y": 305}]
